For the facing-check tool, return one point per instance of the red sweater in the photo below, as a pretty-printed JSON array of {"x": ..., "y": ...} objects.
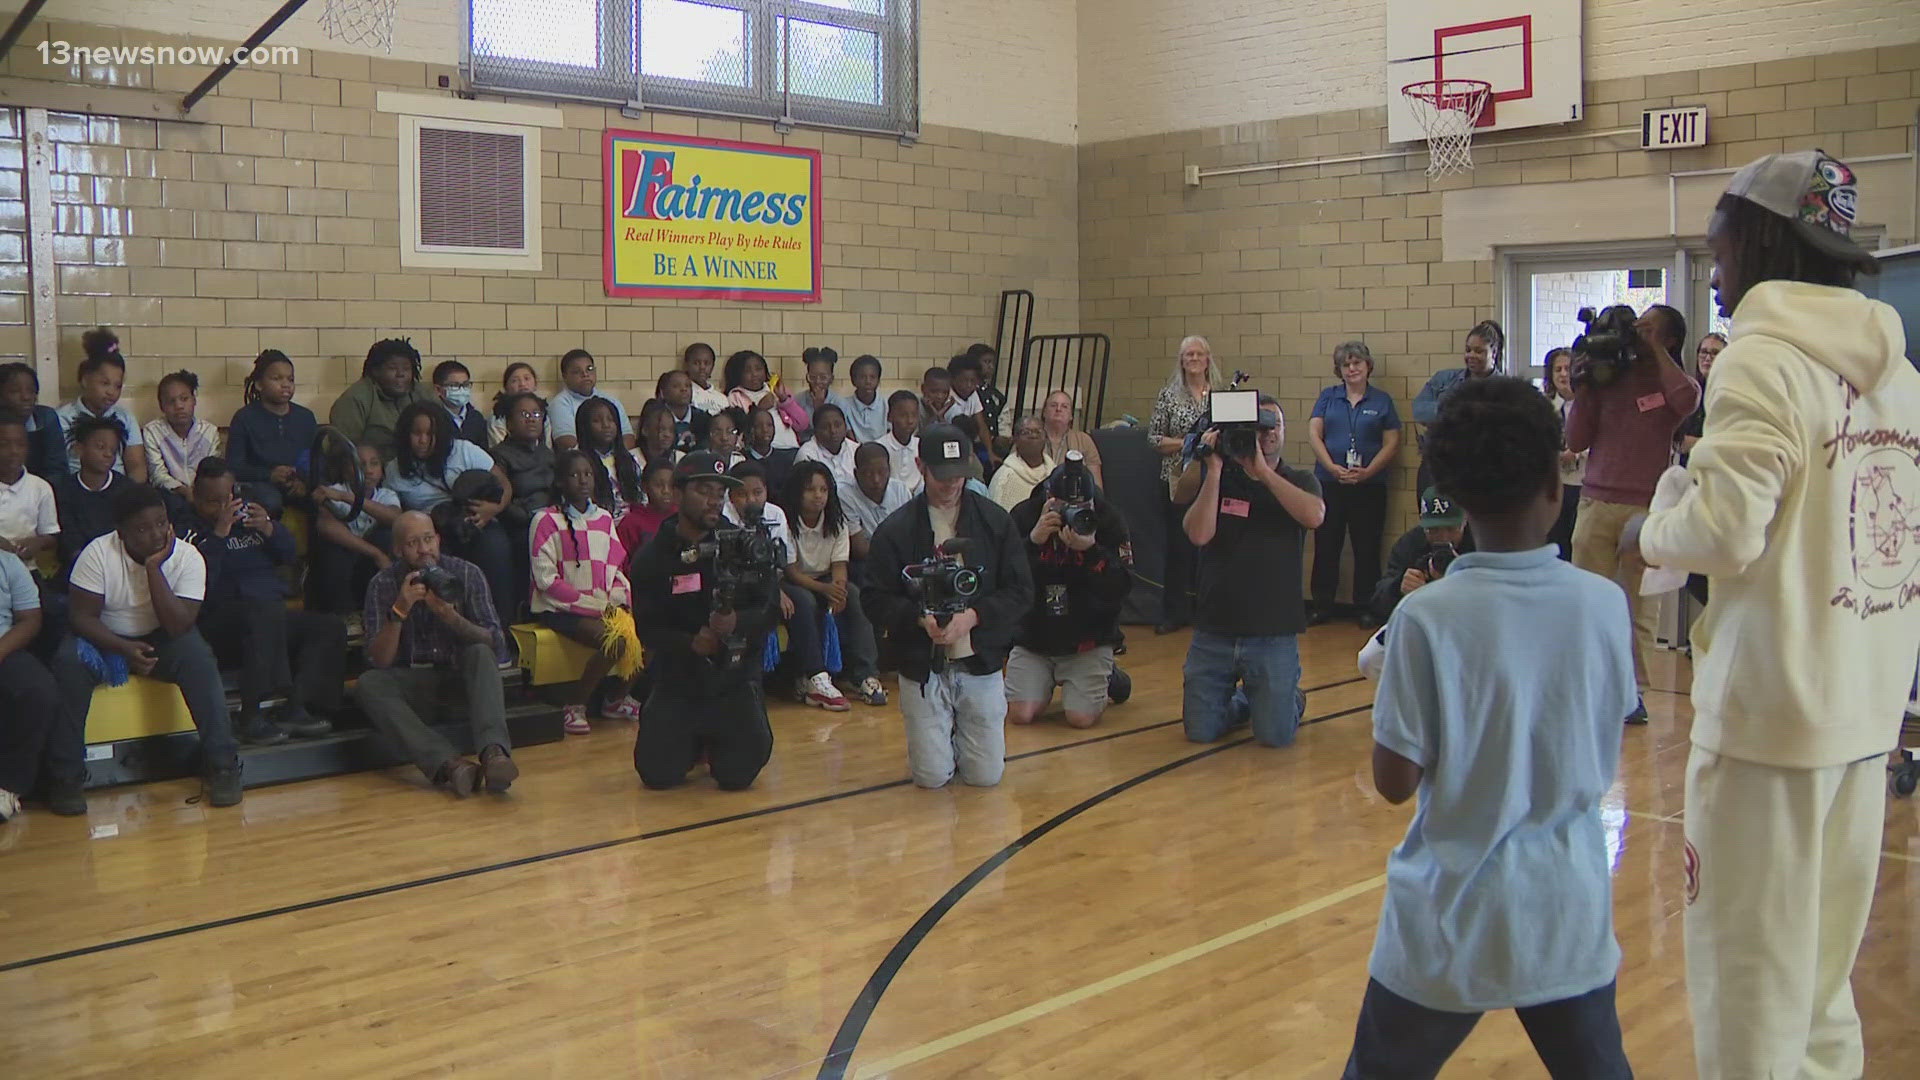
[{"x": 1627, "y": 429}]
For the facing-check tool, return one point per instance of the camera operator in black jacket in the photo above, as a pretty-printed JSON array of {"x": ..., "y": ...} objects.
[
  {"x": 956, "y": 716},
  {"x": 1080, "y": 578},
  {"x": 1422, "y": 553},
  {"x": 706, "y": 689}
]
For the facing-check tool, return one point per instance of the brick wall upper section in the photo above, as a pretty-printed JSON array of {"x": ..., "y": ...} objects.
[
  {"x": 1147, "y": 66},
  {"x": 1000, "y": 66}
]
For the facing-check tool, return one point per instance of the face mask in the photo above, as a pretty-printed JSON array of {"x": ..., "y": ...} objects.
[{"x": 458, "y": 396}]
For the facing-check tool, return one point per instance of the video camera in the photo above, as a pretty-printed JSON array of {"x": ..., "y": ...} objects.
[
  {"x": 945, "y": 586},
  {"x": 746, "y": 573},
  {"x": 1236, "y": 413},
  {"x": 1608, "y": 348},
  {"x": 1073, "y": 486}
]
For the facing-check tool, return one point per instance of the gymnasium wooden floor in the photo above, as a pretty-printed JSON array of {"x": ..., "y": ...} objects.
[{"x": 1125, "y": 904}]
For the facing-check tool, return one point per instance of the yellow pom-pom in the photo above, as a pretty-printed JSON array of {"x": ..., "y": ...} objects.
[{"x": 619, "y": 640}]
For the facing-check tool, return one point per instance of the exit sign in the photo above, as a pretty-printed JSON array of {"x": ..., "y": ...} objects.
[{"x": 1673, "y": 129}]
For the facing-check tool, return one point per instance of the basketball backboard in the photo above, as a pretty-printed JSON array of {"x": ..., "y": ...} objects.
[{"x": 1529, "y": 50}]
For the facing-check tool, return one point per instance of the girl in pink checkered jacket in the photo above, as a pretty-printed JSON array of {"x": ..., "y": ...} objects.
[{"x": 577, "y": 578}]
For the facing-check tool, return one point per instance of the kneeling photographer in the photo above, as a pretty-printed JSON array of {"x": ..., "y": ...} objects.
[
  {"x": 705, "y": 596},
  {"x": 1078, "y": 549},
  {"x": 1630, "y": 396},
  {"x": 1250, "y": 521},
  {"x": 948, "y": 582},
  {"x": 1421, "y": 554}
]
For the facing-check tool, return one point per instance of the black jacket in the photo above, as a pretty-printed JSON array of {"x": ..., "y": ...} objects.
[
  {"x": 1408, "y": 551},
  {"x": 1006, "y": 583},
  {"x": 1095, "y": 581},
  {"x": 667, "y": 619},
  {"x": 530, "y": 471}
]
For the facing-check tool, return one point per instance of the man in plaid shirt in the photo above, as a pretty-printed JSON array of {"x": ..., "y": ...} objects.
[{"x": 425, "y": 649}]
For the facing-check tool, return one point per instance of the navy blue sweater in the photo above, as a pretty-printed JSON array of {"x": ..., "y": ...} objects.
[
  {"x": 259, "y": 442},
  {"x": 245, "y": 566}
]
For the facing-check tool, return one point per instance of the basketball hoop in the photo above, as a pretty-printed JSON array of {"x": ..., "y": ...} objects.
[
  {"x": 1448, "y": 110},
  {"x": 366, "y": 23}
]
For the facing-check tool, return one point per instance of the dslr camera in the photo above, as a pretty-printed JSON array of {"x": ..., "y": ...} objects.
[
  {"x": 944, "y": 585},
  {"x": 442, "y": 583},
  {"x": 1608, "y": 348},
  {"x": 1073, "y": 486},
  {"x": 1438, "y": 559},
  {"x": 746, "y": 573},
  {"x": 1236, "y": 414}
]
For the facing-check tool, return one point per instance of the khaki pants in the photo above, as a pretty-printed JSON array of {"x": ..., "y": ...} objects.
[
  {"x": 1596, "y": 547},
  {"x": 1781, "y": 866}
]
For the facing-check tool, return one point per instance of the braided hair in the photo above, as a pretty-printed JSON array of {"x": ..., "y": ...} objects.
[
  {"x": 1489, "y": 331},
  {"x": 433, "y": 467},
  {"x": 262, "y": 364},
  {"x": 626, "y": 472},
  {"x": 388, "y": 348},
  {"x": 562, "y": 462},
  {"x": 833, "y": 519}
]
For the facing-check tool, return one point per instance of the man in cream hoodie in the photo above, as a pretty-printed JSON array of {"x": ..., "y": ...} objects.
[{"x": 1804, "y": 513}]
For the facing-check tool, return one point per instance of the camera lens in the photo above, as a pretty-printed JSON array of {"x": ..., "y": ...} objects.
[{"x": 965, "y": 582}]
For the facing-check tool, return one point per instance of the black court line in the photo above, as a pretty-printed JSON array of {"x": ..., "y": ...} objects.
[
  {"x": 1664, "y": 690},
  {"x": 545, "y": 856},
  {"x": 847, "y": 1039}
]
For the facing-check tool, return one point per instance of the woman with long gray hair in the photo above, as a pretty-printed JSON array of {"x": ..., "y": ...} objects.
[
  {"x": 1355, "y": 433},
  {"x": 1182, "y": 402}
]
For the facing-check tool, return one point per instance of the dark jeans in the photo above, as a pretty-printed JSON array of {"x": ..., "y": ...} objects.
[
  {"x": 1577, "y": 1038},
  {"x": 185, "y": 661},
  {"x": 518, "y": 536},
  {"x": 336, "y": 577},
  {"x": 858, "y": 656},
  {"x": 29, "y": 708},
  {"x": 1359, "y": 511},
  {"x": 1176, "y": 594},
  {"x": 1233, "y": 679},
  {"x": 732, "y": 731},
  {"x": 398, "y": 700},
  {"x": 805, "y": 650},
  {"x": 492, "y": 552},
  {"x": 1562, "y": 531},
  {"x": 301, "y": 652}
]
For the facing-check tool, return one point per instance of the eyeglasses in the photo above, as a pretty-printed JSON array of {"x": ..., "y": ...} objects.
[{"x": 536, "y": 414}]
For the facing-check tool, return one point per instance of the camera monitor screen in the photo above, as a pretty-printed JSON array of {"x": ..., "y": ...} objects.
[{"x": 1236, "y": 406}]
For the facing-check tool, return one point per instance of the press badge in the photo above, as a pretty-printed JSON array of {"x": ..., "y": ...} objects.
[
  {"x": 686, "y": 583},
  {"x": 1236, "y": 507}
]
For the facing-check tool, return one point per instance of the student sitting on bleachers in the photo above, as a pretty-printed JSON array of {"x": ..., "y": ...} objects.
[
  {"x": 689, "y": 422},
  {"x": 427, "y": 463},
  {"x": 29, "y": 519},
  {"x": 271, "y": 437},
  {"x": 134, "y": 597},
  {"x": 726, "y": 434},
  {"x": 822, "y": 549},
  {"x": 348, "y": 550},
  {"x": 600, "y": 432},
  {"x": 697, "y": 361},
  {"x": 246, "y": 619},
  {"x": 866, "y": 410},
  {"x": 658, "y": 503},
  {"x": 178, "y": 439},
  {"x": 902, "y": 439},
  {"x": 869, "y": 500},
  {"x": 830, "y": 445},
  {"x": 577, "y": 578},
  {"x": 520, "y": 379},
  {"x": 454, "y": 385},
  {"x": 750, "y": 386},
  {"x": 524, "y": 455},
  {"x": 102, "y": 374},
  {"x": 84, "y": 498},
  {"x": 746, "y": 503},
  {"x": 46, "y": 435},
  {"x": 368, "y": 412},
  {"x": 426, "y": 651},
  {"x": 29, "y": 701},
  {"x": 658, "y": 438},
  {"x": 773, "y": 460},
  {"x": 582, "y": 379}
]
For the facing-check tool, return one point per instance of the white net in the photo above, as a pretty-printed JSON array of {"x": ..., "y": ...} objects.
[
  {"x": 366, "y": 23},
  {"x": 1447, "y": 111}
]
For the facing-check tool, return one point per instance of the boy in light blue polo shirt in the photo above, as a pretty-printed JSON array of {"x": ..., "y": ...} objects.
[{"x": 1501, "y": 895}]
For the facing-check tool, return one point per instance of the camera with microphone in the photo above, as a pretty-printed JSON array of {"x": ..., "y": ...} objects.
[
  {"x": 944, "y": 585},
  {"x": 746, "y": 573},
  {"x": 1609, "y": 347},
  {"x": 1235, "y": 413}
]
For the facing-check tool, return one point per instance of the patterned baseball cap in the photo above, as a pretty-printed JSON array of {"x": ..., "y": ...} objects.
[
  {"x": 1438, "y": 512},
  {"x": 945, "y": 450},
  {"x": 1810, "y": 188},
  {"x": 703, "y": 465}
]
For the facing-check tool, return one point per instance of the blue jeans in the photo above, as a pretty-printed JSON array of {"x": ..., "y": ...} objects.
[
  {"x": 1232, "y": 680},
  {"x": 956, "y": 722},
  {"x": 1577, "y": 1038}
]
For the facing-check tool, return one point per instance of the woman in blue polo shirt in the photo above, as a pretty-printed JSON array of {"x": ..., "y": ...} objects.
[{"x": 1355, "y": 432}]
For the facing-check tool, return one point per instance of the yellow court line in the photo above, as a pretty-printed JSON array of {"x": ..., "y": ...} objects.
[
  {"x": 1901, "y": 855},
  {"x": 1671, "y": 819},
  {"x": 1114, "y": 982}
]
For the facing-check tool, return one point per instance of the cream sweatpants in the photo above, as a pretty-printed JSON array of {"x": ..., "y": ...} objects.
[{"x": 1781, "y": 866}]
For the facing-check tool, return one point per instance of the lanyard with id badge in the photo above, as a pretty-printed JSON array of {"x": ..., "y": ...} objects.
[{"x": 1353, "y": 439}]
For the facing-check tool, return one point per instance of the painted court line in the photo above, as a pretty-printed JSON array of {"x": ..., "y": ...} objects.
[
  {"x": 1114, "y": 982},
  {"x": 1901, "y": 855}
]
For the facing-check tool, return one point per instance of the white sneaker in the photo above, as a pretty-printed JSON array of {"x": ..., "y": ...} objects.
[
  {"x": 9, "y": 805},
  {"x": 821, "y": 692}
]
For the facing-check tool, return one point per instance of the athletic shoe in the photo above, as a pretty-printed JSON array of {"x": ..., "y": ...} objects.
[
  {"x": 576, "y": 720},
  {"x": 871, "y": 692},
  {"x": 257, "y": 730},
  {"x": 1639, "y": 714},
  {"x": 820, "y": 692},
  {"x": 67, "y": 798},
  {"x": 9, "y": 805},
  {"x": 624, "y": 709},
  {"x": 301, "y": 724},
  {"x": 223, "y": 783}
]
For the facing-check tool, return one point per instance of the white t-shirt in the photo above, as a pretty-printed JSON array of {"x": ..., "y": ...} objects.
[
  {"x": 906, "y": 461},
  {"x": 963, "y": 406},
  {"x": 945, "y": 523},
  {"x": 817, "y": 551},
  {"x": 27, "y": 509},
  {"x": 841, "y": 464},
  {"x": 105, "y": 570},
  {"x": 777, "y": 528},
  {"x": 708, "y": 400}
]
